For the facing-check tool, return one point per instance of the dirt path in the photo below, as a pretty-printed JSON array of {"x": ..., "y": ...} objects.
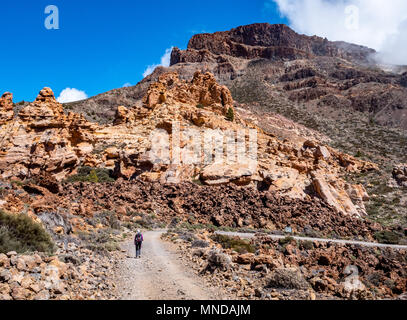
[
  {"x": 159, "y": 274},
  {"x": 352, "y": 242}
]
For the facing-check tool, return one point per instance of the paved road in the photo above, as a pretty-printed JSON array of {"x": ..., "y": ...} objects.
[{"x": 276, "y": 237}]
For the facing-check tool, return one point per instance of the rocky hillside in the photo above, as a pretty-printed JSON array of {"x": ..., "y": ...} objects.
[
  {"x": 326, "y": 130},
  {"x": 293, "y": 86},
  {"x": 307, "y": 69},
  {"x": 43, "y": 140},
  {"x": 304, "y": 69},
  {"x": 272, "y": 42}
]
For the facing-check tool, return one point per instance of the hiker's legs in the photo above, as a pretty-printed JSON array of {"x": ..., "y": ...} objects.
[{"x": 138, "y": 250}]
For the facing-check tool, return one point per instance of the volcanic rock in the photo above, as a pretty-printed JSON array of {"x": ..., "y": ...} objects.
[
  {"x": 266, "y": 41},
  {"x": 42, "y": 139},
  {"x": 141, "y": 144},
  {"x": 400, "y": 174},
  {"x": 288, "y": 278},
  {"x": 6, "y": 108}
]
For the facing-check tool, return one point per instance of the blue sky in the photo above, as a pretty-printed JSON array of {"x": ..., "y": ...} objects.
[{"x": 101, "y": 44}]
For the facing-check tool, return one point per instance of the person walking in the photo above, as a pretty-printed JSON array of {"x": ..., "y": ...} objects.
[{"x": 138, "y": 241}]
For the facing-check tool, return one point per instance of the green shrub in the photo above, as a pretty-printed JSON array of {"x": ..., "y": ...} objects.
[
  {"x": 93, "y": 177},
  {"x": 88, "y": 174},
  {"x": 387, "y": 237},
  {"x": 234, "y": 243},
  {"x": 22, "y": 234},
  {"x": 146, "y": 222},
  {"x": 308, "y": 245},
  {"x": 200, "y": 106},
  {"x": 101, "y": 241},
  {"x": 285, "y": 241},
  {"x": 197, "y": 182},
  {"x": 230, "y": 115},
  {"x": 112, "y": 246}
]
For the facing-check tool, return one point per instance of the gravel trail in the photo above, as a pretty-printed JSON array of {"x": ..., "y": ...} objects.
[{"x": 159, "y": 274}]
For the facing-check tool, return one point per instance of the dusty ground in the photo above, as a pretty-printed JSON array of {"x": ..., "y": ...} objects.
[{"x": 159, "y": 274}]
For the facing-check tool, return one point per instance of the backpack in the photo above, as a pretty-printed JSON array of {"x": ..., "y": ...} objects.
[{"x": 138, "y": 238}]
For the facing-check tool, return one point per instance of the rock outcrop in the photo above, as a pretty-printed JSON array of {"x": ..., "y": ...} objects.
[
  {"x": 43, "y": 139},
  {"x": 254, "y": 59},
  {"x": 400, "y": 174},
  {"x": 44, "y": 112},
  {"x": 202, "y": 90},
  {"x": 6, "y": 108},
  {"x": 309, "y": 70},
  {"x": 265, "y": 41},
  {"x": 142, "y": 143}
]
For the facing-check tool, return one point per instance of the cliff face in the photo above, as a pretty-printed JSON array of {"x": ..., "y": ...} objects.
[
  {"x": 304, "y": 70},
  {"x": 275, "y": 42},
  {"x": 308, "y": 69},
  {"x": 44, "y": 140}
]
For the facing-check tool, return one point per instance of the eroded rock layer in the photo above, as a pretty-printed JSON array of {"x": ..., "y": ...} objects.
[{"x": 43, "y": 139}]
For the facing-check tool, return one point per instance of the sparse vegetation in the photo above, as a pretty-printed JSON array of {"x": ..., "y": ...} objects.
[
  {"x": 230, "y": 115},
  {"x": 105, "y": 218},
  {"x": 93, "y": 175},
  {"x": 198, "y": 182},
  {"x": 353, "y": 132},
  {"x": 283, "y": 242},
  {"x": 18, "y": 232},
  {"x": 387, "y": 237},
  {"x": 101, "y": 241},
  {"x": 307, "y": 245},
  {"x": 234, "y": 243}
]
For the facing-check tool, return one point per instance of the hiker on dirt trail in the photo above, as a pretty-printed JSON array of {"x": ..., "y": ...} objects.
[{"x": 138, "y": 241}]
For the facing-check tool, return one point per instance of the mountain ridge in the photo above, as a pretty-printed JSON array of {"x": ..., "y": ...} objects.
[{"x": 271, "y": 41}]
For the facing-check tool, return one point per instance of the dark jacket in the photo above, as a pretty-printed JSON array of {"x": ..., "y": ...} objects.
[{"x": 141, "y": 238}]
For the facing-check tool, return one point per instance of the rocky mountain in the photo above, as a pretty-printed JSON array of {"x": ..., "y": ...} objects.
[
  {"x": 326, "y": 129},
  {"x": 44, "y": 140},
  {"x": 293, "y": 85},
  {"x": 310, "y": 70},
  {"x": 272, "y": 42}
]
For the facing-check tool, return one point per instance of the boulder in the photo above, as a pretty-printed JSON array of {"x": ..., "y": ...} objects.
[
  {"x": 218, "y": 260},
  {"x": 222, "y": 173},
  {"x": 322, "y": 153},
  {"x": 123, "y": 116},
  {"x": 333, "y": 193},
  {"x": 247, "y": 258},
  {"x": 400, "y": 174},
  {"x": 287, "y": 278}
]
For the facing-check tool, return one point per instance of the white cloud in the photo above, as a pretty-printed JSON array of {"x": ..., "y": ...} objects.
[
  {"x": 127, "y": 84},
  {"x": 150, "y": 70},
  {"x": 71, "y": 95},
  {"x": 165, "y": 62},
  {"x": 378, "y": 24}
]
